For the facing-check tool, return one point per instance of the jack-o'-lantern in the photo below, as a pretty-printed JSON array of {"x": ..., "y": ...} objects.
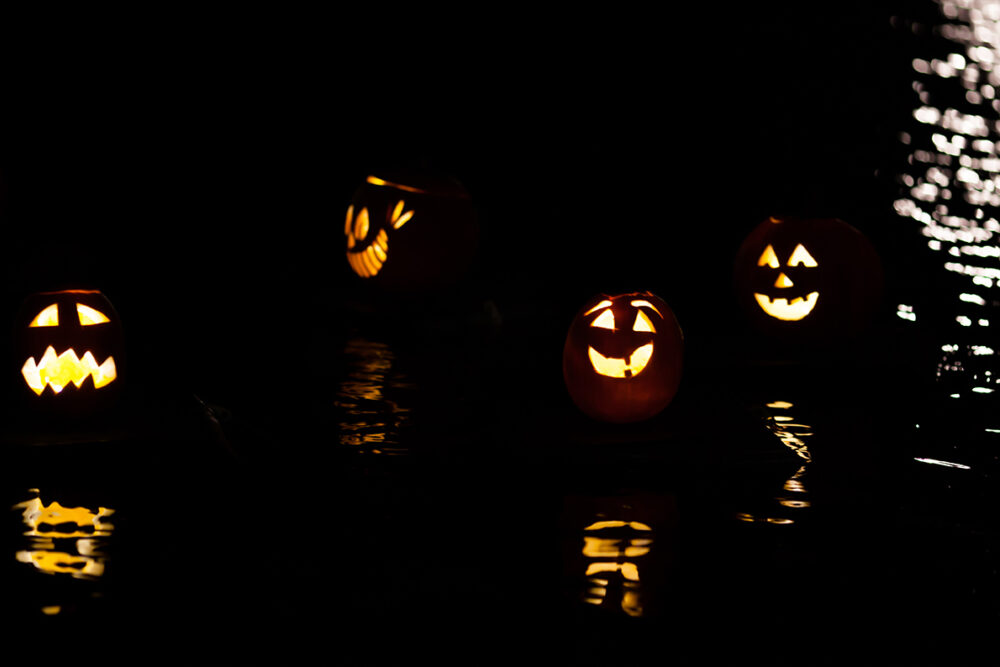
[
  {"x": 70, "y": 350},
  {"x": 410, "y": 232},
  {"x": 808, "y": 279},
  {"x": 623, "y": 357}
]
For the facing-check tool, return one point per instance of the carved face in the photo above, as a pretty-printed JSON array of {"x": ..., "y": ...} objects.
[
  {"x": 622, "y": 358},
  {"x": 367, "y": 244},
  {"x": 789, "y": 306},
  {"x": 807, "y": 279},
  {"x": 70, "y": 342},
  {"x": 634, "y": 361},
  {"x": 409, "y": 232}
]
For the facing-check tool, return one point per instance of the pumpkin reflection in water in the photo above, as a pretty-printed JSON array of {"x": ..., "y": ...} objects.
[
  {"x": 623, "y": 556},
  {"x": 623, "y": 356},
  {"x": 70, "y": 347},
  {"x": 410, "y": 231},
  {"x": 808, "y": 278},
  {"x": 65, "y": 540},
  {"x": 794, "y": 434},
  {"x": 371, "y": 399}
]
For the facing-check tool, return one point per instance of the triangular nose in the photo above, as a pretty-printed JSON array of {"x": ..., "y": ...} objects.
[{"x": 783, "y": 281}]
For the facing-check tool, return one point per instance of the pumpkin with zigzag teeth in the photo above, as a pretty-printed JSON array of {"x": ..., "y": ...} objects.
[{"x": 70, "y": 350}]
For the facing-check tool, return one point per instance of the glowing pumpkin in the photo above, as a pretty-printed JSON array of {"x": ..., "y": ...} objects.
[
  {"x": 410, "y": 232},
  {"x": 808, "y": 278},
  {"x": 70, "y": 348},
  {"x": 623, "y": 357}
]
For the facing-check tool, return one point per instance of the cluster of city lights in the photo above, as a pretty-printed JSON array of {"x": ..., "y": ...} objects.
[{"x": 951, "y": 182}]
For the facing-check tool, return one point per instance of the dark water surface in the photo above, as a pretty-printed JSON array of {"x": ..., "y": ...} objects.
[{"x": 410, "y": 507}]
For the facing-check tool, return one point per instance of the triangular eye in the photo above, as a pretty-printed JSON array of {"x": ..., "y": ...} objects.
[
  {"x": 49, "y": 317},
  {"x": 768, "y": 258},
  {"x": 605, "y": 320},
  {"x": 89, "y": 316},
  {"x": 642, "y": 323},
  {"x": 801, "y": 256}
]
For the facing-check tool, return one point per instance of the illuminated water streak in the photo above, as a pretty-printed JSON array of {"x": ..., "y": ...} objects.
[
  {"x": 950, "y": 185},
  {"x": 618, "y": 552},
  {"x": 64, "y": 540},
  {"x": 794, "y": 434},
  {"x": 368, "y": 399}
]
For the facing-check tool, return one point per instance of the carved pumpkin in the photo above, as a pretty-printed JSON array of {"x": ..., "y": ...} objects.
[
  {"x": 410, "y": 232},
  {"x": 70, "y": 349},
  {"x": 808, "y": 279},
  {"x": 623, "y": 357}
]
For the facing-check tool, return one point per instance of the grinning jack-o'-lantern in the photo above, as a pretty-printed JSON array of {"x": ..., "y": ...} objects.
[
  {"x": 410, "y": 232},
  {"x": 808, "y": 279},
  {"x": 70, "y": 349},
  {"x": 623, "y": 357}
]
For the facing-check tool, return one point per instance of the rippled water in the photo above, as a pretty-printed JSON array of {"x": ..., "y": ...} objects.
[{"x": 372, "y": 399}]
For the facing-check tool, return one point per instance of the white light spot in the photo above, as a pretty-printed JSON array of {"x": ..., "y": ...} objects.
[{"x": 946, "y": 464}]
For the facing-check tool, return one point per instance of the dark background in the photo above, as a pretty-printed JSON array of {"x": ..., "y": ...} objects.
[
  {"x": 196, "y": 169},
  {"x": 206, "y": 164}
]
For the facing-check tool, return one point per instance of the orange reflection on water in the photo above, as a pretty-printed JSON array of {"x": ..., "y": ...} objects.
[
  {"x": 606, "y": 545},
  {"x": 793, "y": 434},
  {"x": 614, "y": 546},
  {"x": 367, "y": 398},
  {"x": 64, "y": 540}
]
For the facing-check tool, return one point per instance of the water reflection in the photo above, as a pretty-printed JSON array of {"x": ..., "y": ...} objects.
[
  {"x": 371, "y": 398},
  {"x": 794, "y": 434},
  {"x": 620, "y": 551},
  {"x": 64, "y": 540}
]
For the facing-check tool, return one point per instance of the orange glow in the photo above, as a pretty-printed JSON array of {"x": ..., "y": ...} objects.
[
  {"x": 59, "y": 371},
  {"x": 642, "y": 303},
  {"x": 643, "y": 323},
  {"x": 369, "y": 260},
  {"x": 48, "y": 317},
  {"x": 90, "y": 316},
  {"x": 801, "y": 256},
  {"x": 602, "y": 304},
  {"x": 768, "y": 258},
  {"x": 782, "y": 309},
  {"x": 605, "y": 320},
  {"x": 375, "y": 180},
  {"x": 621, "y": 368}
]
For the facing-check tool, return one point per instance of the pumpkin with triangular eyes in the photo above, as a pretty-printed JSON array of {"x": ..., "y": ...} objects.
[
  {"x": 808, "y": 279},
  {"x": 70, "y": 350},
  {"x": 623, "y": 357}
]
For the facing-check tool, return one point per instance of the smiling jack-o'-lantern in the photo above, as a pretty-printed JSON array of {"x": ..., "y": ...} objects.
[
  {"x": 70, "y": 349},
  {"x": 410, "y": 232},
  {"x": 623, "y": 357},
  {"x": 808, "y": 279}
]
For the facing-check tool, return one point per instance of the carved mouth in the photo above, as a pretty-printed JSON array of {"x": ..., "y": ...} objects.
[
  {"x": 621, "y": 368},
  {"x": 783, "y": 309},
  {"x": 368, "y": 261},
  {"x": 57, "y": 371}
]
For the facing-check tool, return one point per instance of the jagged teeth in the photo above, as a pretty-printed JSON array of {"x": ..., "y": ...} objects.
[{"x": 58, "y": 371}]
